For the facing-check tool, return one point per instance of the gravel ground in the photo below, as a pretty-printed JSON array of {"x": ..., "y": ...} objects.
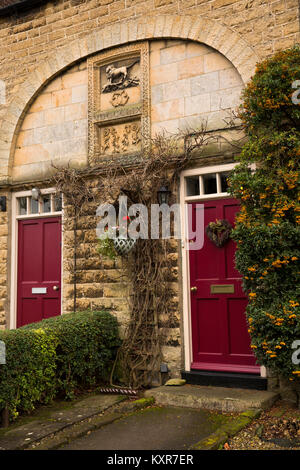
[{"x": 275, "y": 429}]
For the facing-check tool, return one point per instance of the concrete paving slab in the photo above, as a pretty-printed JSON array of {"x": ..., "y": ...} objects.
[
  {"x": 153, "y": 429},
  {"x": 212, "y": 398},
  {"x": 51, "y": 419}
]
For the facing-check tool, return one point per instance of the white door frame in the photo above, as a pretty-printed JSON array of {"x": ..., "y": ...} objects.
[
  {"x": 14, "y": 248},
  {"x": 184, "y": 200}
]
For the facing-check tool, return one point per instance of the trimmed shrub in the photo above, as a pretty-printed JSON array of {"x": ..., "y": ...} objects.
[
  {"x": 55, "y": 357},
  {"x": 29, "y": 374}
]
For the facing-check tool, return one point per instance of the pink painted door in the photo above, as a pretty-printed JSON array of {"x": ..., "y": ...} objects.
[
  {"x": 39, "y": 269},
  {"x": 220, "y": 335}
]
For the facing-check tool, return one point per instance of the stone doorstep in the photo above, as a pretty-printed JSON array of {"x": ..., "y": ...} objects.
[{"x": 212, "y": 398}]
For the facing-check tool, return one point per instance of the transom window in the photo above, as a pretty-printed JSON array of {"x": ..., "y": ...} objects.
[
  {"x": 47, "y": 203},
  {"x": 208, "y": 182}
]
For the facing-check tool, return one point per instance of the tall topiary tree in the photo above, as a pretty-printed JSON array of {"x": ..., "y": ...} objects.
[{"x": 267, "y": 226}]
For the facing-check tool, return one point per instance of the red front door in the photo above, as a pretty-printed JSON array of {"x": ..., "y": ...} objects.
[
  {"x": 39, "y": 269},
  {"x": 219, "y": 329}
]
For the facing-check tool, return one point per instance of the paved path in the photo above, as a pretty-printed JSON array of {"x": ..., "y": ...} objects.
[
  {"x": 182, "y": 416},
  {"x": 153, "y": 429},
  {"x": 53, "y": 418}
]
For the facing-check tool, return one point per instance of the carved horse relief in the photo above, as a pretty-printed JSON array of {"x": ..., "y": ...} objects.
[{"x": 118, "y": 78}]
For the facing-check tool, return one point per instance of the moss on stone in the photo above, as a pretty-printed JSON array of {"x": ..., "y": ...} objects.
[
  {"x": 144, "y": 402},
  {"x": 251, "y": 413},
  {"x": 216, "y": 440},
  {"x": 236, "y": 425},
  {"x": 213, "y": 442}
]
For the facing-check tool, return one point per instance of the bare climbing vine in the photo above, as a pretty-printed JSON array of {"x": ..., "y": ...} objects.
[
  {"x": 77, "y": 194},
  {"x": 148, "y": 268}
]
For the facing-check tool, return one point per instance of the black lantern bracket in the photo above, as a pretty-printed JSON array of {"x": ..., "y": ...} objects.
[{"x": 163, "y": 195}]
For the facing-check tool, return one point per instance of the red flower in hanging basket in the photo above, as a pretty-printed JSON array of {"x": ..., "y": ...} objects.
[{"x": 219, "y": 232}]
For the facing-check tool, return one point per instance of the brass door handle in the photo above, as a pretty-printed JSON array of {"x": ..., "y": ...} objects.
[
  {"x": 55, "y": 288},
  {"x": 194, "y": 289}
]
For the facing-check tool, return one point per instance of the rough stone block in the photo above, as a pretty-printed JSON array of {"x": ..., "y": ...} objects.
[
  {"x": 54, "y": 116},
  {"x": 229, "y": 79},
  {"x": 167, "y": 110},
  {"x": 75, "y": 110},
  {"x": 197, "y": 104},
  {"x": 177, "y": 90},
  {"x": 74, "y": 79},
  {"x": 205, "y": 83},
  {"x": 61, "y": 98},
  {"x": 172, "y": 54},
  {"x": 79, "y": 94},
  {"x": 191, "y": 67},
  {"x": 170, "y": 127},
  {"x": 115, "y": 290},
  {"x": 163, "y": 74},
  {"x": 215, "y": 61},
  {"x": 42, "y": 102},
  {"x": 225, "y": 99},
  {"x": 157, "y": 94},
  {"x": 155, "y": 59}
]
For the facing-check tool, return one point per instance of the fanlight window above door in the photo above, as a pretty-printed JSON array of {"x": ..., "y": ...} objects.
[
  {"x": 49, "y": 203},
  {"x": 207, "y": 182}
]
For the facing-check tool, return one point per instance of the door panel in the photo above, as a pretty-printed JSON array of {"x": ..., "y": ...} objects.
[
  {"x": 39, "y": 267},
  {"x": 208, "y": 319},
  {"x": 219, "y": 327}
]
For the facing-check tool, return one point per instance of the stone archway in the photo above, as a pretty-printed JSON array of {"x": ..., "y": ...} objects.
[{"x": 210, "y": 32}]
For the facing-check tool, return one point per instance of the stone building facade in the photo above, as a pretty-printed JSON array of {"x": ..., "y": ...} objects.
[{"x": 181, "y": 61}]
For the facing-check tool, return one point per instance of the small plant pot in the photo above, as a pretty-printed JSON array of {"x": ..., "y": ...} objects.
[{"x": 124, "y": 245}]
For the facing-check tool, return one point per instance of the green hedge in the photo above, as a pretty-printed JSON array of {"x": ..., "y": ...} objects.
[{"x": 55, "y": 357}]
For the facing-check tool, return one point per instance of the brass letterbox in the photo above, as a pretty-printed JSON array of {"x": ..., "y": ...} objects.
[{"x": 222, "y": 289}]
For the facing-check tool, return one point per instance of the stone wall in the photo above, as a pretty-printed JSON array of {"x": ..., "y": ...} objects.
[
  {"x": 189, "y": 83},
  {"x": 29, "y": 37},
  {"x": 55, "y": 127},
  {"x": 100, "y": 281}
]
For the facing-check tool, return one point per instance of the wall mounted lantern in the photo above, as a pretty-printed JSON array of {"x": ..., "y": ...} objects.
[{"x": 163, "y": 195}]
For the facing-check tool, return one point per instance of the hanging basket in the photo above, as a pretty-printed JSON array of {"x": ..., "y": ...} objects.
[
  {"x": 124, "y": 245},
  {"x": 219, "y": 232}
]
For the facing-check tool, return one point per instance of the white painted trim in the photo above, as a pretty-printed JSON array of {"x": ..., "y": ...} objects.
[
  {"x": 14, "y": 267},
  {"x": 28, "y": 192},
  {"x": 187, "y": 327},
  {"x": 38, "y": 216},
  {"x": 208, "y": 169},
  {"x": 14, "y": 249},
  {"x": 205, "y": 197}
]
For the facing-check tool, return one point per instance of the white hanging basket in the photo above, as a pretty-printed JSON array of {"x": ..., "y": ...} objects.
[{"x": 124, "y": 245}]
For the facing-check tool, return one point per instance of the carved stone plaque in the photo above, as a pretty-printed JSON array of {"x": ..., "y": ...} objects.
[
  {"x": 119, "y": 102},
  {"x": 120, "y": 138}
]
